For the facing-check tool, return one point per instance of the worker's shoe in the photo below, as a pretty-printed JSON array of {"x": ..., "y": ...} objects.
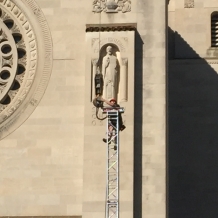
[
  {"x": 122, "y": 127},
  {"x": 115, "y": 147},
  {"x": 105, "y": 141}
]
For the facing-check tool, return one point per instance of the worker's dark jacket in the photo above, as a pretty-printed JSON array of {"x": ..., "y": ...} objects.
[{"x": 113, "y": 121}]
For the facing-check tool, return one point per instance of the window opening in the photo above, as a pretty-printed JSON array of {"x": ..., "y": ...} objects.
[{"x": 214, "y": 29}]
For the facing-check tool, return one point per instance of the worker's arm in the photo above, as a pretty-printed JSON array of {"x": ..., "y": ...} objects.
[{"x": 106, "y": 101}]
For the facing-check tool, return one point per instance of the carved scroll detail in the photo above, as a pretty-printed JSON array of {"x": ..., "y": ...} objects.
[
  {"x": 111, "y": 6},
  {"x": 189, "y": 3}
]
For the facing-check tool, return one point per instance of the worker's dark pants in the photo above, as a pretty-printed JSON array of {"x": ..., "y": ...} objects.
[{"x": 114, "y": 122}]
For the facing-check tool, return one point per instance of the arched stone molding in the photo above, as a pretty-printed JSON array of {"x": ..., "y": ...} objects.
[
  {"x": 121, "y": 43},
  {"x": 25, "y": 61}
]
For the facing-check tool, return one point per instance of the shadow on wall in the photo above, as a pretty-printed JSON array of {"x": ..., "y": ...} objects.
[
  {"x": 137, "y": 192},
  {"x": 192, "y": 133}
]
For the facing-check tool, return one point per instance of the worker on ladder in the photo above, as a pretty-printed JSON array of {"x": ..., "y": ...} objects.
[{"x": 112, "y": 124}]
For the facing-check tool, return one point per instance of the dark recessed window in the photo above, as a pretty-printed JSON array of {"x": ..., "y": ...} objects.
[{"x": 214, "y": 29}]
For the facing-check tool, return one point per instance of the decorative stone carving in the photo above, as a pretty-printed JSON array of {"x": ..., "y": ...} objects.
[
  {"x": 110, "y": 68},
  {"x": 125, "y": 6},
  {"x": 109, "y": 40},
  {"x": 103, "y": 28},
  {"x": 8, "y": 61},
  {"x": 189, "y": 3},
  {"x": 24, "y": 68},
  {"x": 111, "y": 6}
]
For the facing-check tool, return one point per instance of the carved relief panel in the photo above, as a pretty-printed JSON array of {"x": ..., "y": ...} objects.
[
  {"x": 189, "y": 3},
  {"x": 111, "y": 6}
]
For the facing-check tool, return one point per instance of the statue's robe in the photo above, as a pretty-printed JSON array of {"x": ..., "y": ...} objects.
[{"x": 110, "y": 73}]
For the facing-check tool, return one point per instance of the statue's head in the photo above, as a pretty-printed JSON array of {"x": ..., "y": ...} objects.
[{"x": 109, "y": 49}]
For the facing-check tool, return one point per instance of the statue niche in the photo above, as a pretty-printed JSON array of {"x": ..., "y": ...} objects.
[
  {"x": 110, "y": 70},
  {"x": 113, "y": 68}
]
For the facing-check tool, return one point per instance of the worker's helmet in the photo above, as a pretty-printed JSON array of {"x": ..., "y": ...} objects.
[{"x": 113, "y": 99}]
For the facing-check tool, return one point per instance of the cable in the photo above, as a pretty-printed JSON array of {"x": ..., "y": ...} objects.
[
  {"x": 99, "y": 35},
  {"x": 97, "y": 109},
  {"x": 99, "y": 45}
]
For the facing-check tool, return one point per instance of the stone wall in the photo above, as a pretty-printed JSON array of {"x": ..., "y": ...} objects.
[
  {"x": 194, "y": 29},
  {"x": 54, "y": 163},
  {"x": 192, "y": 111}
]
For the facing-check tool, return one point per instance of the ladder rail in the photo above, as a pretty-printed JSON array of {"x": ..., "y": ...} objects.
[{"x": 112, "y": 189}]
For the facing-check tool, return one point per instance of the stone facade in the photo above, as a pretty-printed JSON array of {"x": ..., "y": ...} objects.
[
  {"x": 192, "y": 109},
  {"x": 53, "y": 164},
  {"x": 26, "y": 61}
]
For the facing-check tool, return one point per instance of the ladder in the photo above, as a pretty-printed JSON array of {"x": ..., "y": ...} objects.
[{"x": 112, "y": 186}]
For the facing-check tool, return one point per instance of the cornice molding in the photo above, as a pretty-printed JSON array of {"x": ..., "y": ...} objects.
[
  {"x": 110, "y": 27},
  {"x": 193, "y": 61}
]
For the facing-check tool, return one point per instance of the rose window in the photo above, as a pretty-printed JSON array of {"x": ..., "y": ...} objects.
[
  {"x": 25, "y": 61},
  {"x": 10, "y": 54}
]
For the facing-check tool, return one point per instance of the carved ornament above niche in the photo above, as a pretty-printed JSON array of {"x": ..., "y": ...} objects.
[
  {"x": 189, "y": 3},
  {"x": 110, "y": 29},
  {"x": 111, "y": 6}
]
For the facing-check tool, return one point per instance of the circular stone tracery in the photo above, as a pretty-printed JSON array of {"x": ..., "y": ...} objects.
[
  {"x": 25, "y": 61},
  {"x": 8, "y": 62}
]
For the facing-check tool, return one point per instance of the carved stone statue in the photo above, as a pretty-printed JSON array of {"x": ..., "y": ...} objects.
[{"x": 110, "y": 67}]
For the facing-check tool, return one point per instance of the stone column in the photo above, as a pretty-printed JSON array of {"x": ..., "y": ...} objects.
[
  {"x": 150, "y": 133},
  {"x": 123, "y": 80}
]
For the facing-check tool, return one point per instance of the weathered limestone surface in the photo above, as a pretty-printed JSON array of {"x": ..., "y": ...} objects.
[
  {"x": 41, "y": 162},
  {"x": 152, "y": 33},
  {"x": 94, "y": 180},
  {"x": 54, "y": 164}
]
